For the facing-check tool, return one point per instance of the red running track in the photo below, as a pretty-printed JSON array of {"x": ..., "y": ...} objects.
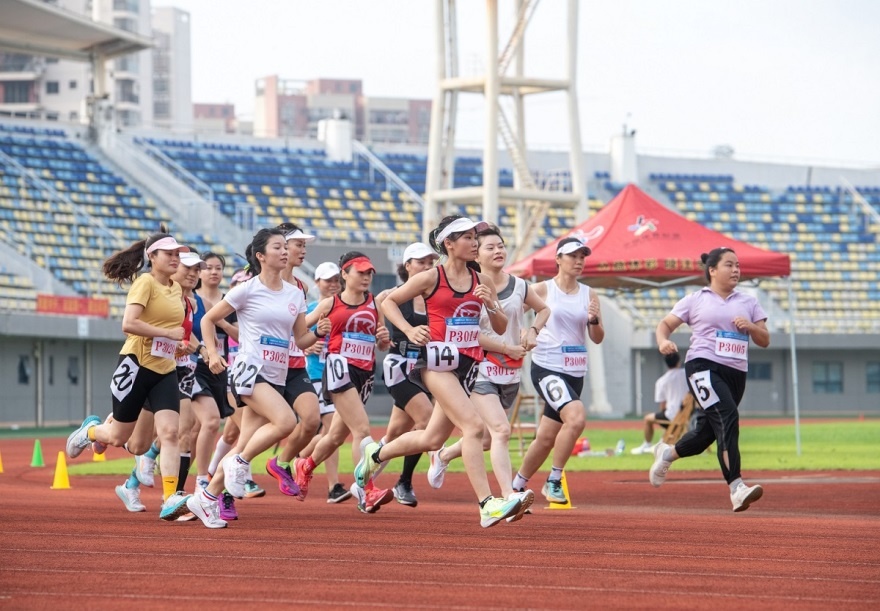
[{"x": 812, "y": 542}]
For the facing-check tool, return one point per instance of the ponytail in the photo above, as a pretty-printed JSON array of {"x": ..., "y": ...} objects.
[{"x": 123, "y": 266}]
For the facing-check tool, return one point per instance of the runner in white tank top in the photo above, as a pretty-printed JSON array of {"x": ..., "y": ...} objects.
[
  {"x": 559, "y": 364},
  {"x": 499, "y": 375}
]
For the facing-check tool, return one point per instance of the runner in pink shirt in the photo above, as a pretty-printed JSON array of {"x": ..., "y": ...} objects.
[{"x": 722, "y": 320}]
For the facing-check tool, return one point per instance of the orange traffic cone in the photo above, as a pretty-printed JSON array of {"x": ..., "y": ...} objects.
[{"x": 62, "y": 481}]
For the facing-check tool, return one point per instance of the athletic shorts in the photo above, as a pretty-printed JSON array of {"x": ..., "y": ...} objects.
[
  {"x": 323, "y": 407},
  {"x": 466, "y": 372},
  {"x": 359, "y": 379},
  {"x": 239, "y": 401},
  {"x": 506, "y": 392},
  {"x": 135, "y": 388},
  {"x": 296, "y": 384},
  {"x": 212, "y": 385},
  {"x": 556, "y": 389},
  {"x": 186, "y": 379},
  {"x": 661, "y": 419}
]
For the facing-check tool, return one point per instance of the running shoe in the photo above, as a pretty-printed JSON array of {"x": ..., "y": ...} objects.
[
  {"x": 187, "y": 517},
  {"x": 228, "y": 512},
  {"x": 252, "y": 490},
  {"x": 437, "y": 470},
  {"x": 338, "y": 494},
  {"x": 744, "y": 496},
  {"x": 235, "y": 474},
  {"x": 404, "y": 494},
  {"x": 301, "y": 477},
  {"x": 286, "y": 483},
  {"x": 174, "y": 506},
  {"x": 366, "y": 467},
  {"x": 79, "y": 439},
  {"x": 497, "y": 509},
  {"x": 657, "y": 474},
  {"x": 527, "y": 510},
  {"x": 359, "y": 496},
  {"x": 526, "y": 498},
  {"x": 144, "y": 470},
  {"x": 131, "y": 498},
  {"x": 374, "y": 498},
  {"x": 206, "y": 510},
  {"x": 552, "y": 491}
]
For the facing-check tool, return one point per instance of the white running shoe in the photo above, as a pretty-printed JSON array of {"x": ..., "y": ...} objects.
[
  {"x": 145, "y": 468},
  {"x": 645, "y": 448},
  {"x": 131, "y": 498},
  {"x": 658, "y": 471},
  {"x": 744, "y": 496},
  {"x": 206, "y": 510},
  {"x": 437, "y": 470},
  {"x": 235, "y": 476},
  {"x": 526, "y": 498}
]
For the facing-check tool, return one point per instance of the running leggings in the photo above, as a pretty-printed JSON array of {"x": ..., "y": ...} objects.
[{"x": 719, "y": 422}]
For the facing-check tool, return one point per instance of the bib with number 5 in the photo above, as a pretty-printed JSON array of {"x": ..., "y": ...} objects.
[
  {"x": 702, "y": 384},
  {"x": 441, "y": 356},
  {"x": 337, "y": 372},
  {"x": 555, "y": 391},
  {"x": 244, "y": 375}
]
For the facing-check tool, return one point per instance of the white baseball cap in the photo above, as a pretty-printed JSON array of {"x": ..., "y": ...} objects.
[
  {"x": 191, "y": 259},
  {"x": 568, "y": 246},
  {"x": 298, "y": 234},
  {"x": 418, "y": 250},
  {"x": 459, "y": 225},
  {"x": 326, "y": 270}
]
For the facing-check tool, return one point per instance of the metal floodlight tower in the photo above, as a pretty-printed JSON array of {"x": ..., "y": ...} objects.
[{"x": 504, "y": 103}]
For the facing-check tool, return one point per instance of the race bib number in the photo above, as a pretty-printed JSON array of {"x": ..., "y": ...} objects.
[
  {"x": 185, "y": 360},
  {"x": 294, "y": 350},
  {"x": 123, "y": 378},
  {"x": 244, "y": 375},
  {"x": 396, "y": 369},
  {"x": 322, "y": 356},
  {"x": 463, "y": 331},
  {"x": 555, "y": 391},
  {"x": 337, "y": 372},
  {"x": 358, "y": 346},
  {"x": 732, "y": 345},
  {"x": 574, "y": 359},
  {"x": 274, "y": 351},
  {"x": 441, "y": 356},
  {"x": 221, "y": 347},
  {"x": 163, "y": 348},
  {"x": 701, "y": 382},
  {"x": 497, "y": 374}
]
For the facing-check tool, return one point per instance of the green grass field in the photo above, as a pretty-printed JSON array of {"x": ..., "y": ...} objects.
[{"x": 845, "y": 445}]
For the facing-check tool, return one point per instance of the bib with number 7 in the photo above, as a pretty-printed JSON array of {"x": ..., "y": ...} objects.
[{"x": 701, "y": 382}]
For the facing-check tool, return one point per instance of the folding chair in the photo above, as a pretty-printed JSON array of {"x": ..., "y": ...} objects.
[
  {"x": 517, "y": 426},
  {"x": 681, "y": 423}
]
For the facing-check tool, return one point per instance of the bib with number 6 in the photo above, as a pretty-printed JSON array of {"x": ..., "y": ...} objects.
[
  {"x": 337, "y": 372},
  {"x": 244, "y": 375},
  {"x": 555, "y": 391},
  {"x": 702, "y": 384},
  {"x": 441, "y": 356}
]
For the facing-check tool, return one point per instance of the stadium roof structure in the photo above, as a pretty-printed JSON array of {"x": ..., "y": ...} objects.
[
  {"x": 639, "y": 243},
  {"x": 34, "y": 27}
]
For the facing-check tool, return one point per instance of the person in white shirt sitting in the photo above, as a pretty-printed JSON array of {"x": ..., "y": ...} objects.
[{"x": 669, "y": 392}]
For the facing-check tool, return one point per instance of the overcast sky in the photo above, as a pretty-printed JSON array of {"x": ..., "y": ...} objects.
[{"x": 781, "y": 79}]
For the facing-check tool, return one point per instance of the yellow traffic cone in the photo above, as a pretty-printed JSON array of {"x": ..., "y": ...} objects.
[
  {"x": 567, "y": 504},
  {"x": 98, "y": 457},
  {"x": 62, "y": 481},
  {"x": 1, "y": 464}
]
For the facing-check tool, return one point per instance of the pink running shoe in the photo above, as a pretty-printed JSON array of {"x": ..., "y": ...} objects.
[
  {"x": 375, "y": 498},
  {"x": 286, "y": 484},
  {"x": 301, "y": 477},
  {"x": 227, "y": 507}
]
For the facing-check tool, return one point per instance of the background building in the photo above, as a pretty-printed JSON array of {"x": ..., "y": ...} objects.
[{"x": 172, "y": 79}]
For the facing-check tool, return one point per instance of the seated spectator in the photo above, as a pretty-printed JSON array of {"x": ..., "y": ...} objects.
[{"x": 669, "y": 392}]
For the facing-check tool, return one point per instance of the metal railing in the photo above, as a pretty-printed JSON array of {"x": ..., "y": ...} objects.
[{"x": 390, "y": 177}]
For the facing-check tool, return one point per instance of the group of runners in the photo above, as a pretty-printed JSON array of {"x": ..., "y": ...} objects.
[{"x": 295, "y": 376}]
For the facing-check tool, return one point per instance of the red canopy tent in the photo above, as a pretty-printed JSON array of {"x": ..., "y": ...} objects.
[{"x": 638, "y": 242}]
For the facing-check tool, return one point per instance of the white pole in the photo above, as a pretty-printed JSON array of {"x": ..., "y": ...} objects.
[
  {"x": 792, "y": 311},
  {"x": 438, "y": 111},
  {"x": 576, "y": 152},
  {"x": 491, "y": 90}
]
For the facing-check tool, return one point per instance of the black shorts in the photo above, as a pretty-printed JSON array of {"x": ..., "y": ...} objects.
[
  {"x": 296, "y": 384},
  {"x": 135, "y": 388},
  {"x": 209, "y": 384},
  {"x": 556, "y": 389},
  {"x": 359, "y": 379},
  {"x": 466, "y": 372},
  {"x": 661, "y": 419},
  {"x": 186, "y": 379},
  {"x": 239, "y": 401}
]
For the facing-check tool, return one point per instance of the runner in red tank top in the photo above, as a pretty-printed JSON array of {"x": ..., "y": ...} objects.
[
  {"x": 454, "y": 295},
  {"x": 356, "y": 330}
]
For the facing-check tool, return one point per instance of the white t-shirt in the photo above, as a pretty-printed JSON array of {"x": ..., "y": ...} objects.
[
  {"x": 265, "y": 321},
  {"x": 672, "y": 388}
]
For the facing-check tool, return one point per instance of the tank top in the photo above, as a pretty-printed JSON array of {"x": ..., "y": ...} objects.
[
  {"x": 184, "y": 359},
  {"x": 296, "y": 358},
  {"x": 511, "y": 299},
  {"x": 399, "y": 340},
  {"x": 353, "y": 332},
  {"x": 198, "y": 314},
  {"x": 561, "y": 344},
  {"x": 453, "y": 317}
]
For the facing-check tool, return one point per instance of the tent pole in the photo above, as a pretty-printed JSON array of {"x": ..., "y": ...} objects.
[{"x": 792, "y": 312}]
